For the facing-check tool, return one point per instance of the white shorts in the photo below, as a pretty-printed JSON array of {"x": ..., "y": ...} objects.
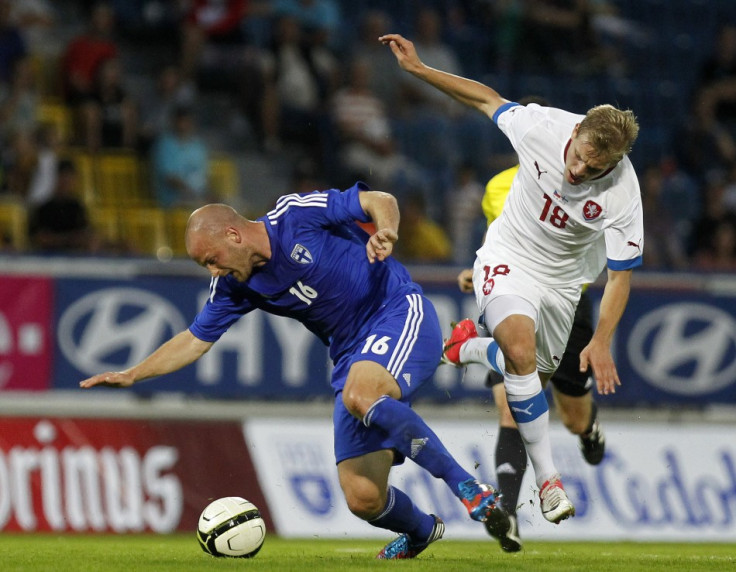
[{"x": 551, "y": 308}]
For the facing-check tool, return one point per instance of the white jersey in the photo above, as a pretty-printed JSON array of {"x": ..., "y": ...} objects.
[{"x": 562, "y": 234}]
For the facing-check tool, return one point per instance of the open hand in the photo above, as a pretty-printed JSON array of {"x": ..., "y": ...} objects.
[
  {"x": 600, "y": 360},
  {"x": 108, "y": 379},
  {"x": 404, "y": 51}
]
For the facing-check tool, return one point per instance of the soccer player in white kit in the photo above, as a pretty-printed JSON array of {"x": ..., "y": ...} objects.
[{"x": 574, "y": 207}]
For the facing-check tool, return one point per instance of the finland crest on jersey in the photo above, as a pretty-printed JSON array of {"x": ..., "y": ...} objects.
[{"x": 301, "y": 254}]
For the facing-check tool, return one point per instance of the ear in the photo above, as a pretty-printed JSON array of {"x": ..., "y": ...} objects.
[
  {"x": 233, "y": 234},
  {"x": 575, "y": 131}
]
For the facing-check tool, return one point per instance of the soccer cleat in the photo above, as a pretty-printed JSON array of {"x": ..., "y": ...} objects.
[
  {"x": 504, "y": 528},
  {"x": 593, "y": 445},
  {"x": 461, "y": 333},
  {"x": 556, "y": 507},
  {"x": 404, "y": 547},
  {"x": 478, "y": 498}
]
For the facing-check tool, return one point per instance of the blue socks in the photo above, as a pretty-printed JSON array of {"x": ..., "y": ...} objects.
[
  {"x": 410, "y": 435},
  {"x": 401, "y": 515}
]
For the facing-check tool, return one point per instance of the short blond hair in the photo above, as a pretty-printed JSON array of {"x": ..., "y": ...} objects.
[{"x": 610, "y": 131}]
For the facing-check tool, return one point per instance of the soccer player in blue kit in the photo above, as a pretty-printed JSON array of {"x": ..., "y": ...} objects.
[{"x": 309, "y": 260}]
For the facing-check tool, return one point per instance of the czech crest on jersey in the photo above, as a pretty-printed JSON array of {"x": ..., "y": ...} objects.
[{"x": 591, "y": 210}]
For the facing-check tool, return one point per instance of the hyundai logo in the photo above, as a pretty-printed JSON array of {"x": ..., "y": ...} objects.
[
  {"x": 116, "y": 328},
  {"x": 686, "y": 348}
]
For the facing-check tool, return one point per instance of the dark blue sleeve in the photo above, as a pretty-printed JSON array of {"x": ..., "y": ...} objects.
[
  {"x": 220, "y": 312},
  {"x": 344, "y": 207}
]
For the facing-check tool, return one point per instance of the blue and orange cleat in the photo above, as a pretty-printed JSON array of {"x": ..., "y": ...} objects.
[
  {"x": 463, "y": 331},
  {"x": 404, "y": 547},
  {"x": 478, "y": 498}
]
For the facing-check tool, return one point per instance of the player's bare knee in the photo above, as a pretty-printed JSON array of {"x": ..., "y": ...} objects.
[
  {"x": 364, "y": 502},
  {"x": 520, "y": 358},
  {"x": 355, "y": 401}
]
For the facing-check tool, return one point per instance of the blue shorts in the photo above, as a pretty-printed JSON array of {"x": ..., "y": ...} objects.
[{"x": 406, "y": 340}]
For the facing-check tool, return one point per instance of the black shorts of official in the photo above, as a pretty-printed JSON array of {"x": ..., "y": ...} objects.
[{"x": 568, "y": 379}]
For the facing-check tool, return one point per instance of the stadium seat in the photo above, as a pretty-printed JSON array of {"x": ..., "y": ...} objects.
[
  {"x": 176, "y": 224},
  {"x": 223, "y": 177},
  {"x": 46, "y": 69},
  {"x": 120, "y": 180},
  {"x": 84, "y": 163},
  {"x": 13, "y": 226},
  {"x": 106, "y": 223},
  {"x": 143, "y": 229},
  {"x": 58, "y": 114}
]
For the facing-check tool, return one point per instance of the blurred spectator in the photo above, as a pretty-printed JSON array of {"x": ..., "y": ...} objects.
[
  {"x": 703, "y": 147},
  {"x": 85, "y": 53},
  {"x": 663, "y": 249},
  {"x": 316, "y": 17},
  {"x": 466, "y": 222},
  {"x": 19, "y": 163},
  {"x": 714, "y": 212},
  {"x": 437, "y": 54},
  {"x": 503, "y": 22},
  {"x": 680, "y": 198},
  {"x": 44, "y": 176},
  {"x": 428, "y": 117},
  {"x": 61, "y": 223},
  {"x": 12, "y": 45},
  {"x": 214, "y": 24},
  {"x": 152, "y": 21},
  {"x": 306, "y": 177},
  {"x": 717, "y": 78},
  {"x": 720, "y": 254},
  {"x": 613, "y": 30},
  {"x": 367, "y": 148},
  {"x": 470, "y": 34},
  {"x": 19, "y": 100},
  {"x": 179, "y": 162},
  {"x": 35, "y": 19},
  {"x": 422, "y": 239},
  {"x": 299, "y": 78},
  {"x": 559, "y": 36},
  {"x": 157, "y": 109},
  {"x": 109, "y": 116},
  {"x": 385, "y": 76},
  {"x": 728, "y": 201}
]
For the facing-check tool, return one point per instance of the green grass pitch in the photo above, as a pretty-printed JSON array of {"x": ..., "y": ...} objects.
[{"x": 181, "y": 553}]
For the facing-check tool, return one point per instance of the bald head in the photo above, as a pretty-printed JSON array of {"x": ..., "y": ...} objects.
[
  {"x": 210, "y": 221},
  {"x": 224, "y": 242}
]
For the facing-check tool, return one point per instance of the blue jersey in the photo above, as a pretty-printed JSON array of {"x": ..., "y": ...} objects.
[{"x": 318, "y": 273}]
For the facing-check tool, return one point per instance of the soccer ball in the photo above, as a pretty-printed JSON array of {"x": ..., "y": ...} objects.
[{"x": 231, "y": 526}]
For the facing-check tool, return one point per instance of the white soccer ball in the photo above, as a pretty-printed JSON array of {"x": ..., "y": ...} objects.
[{"x": 231, "y": 526}]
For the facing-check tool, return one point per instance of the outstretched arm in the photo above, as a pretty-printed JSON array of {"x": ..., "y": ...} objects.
[
  {"x": 466, "y": 91},
  {"x": 384, "y": 212},
  {"x": 183, "y": 349},
  {"x": 597, "y": 353}
]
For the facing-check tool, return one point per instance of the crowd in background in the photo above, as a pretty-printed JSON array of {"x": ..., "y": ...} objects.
[{"x": 312, "y": 84}]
